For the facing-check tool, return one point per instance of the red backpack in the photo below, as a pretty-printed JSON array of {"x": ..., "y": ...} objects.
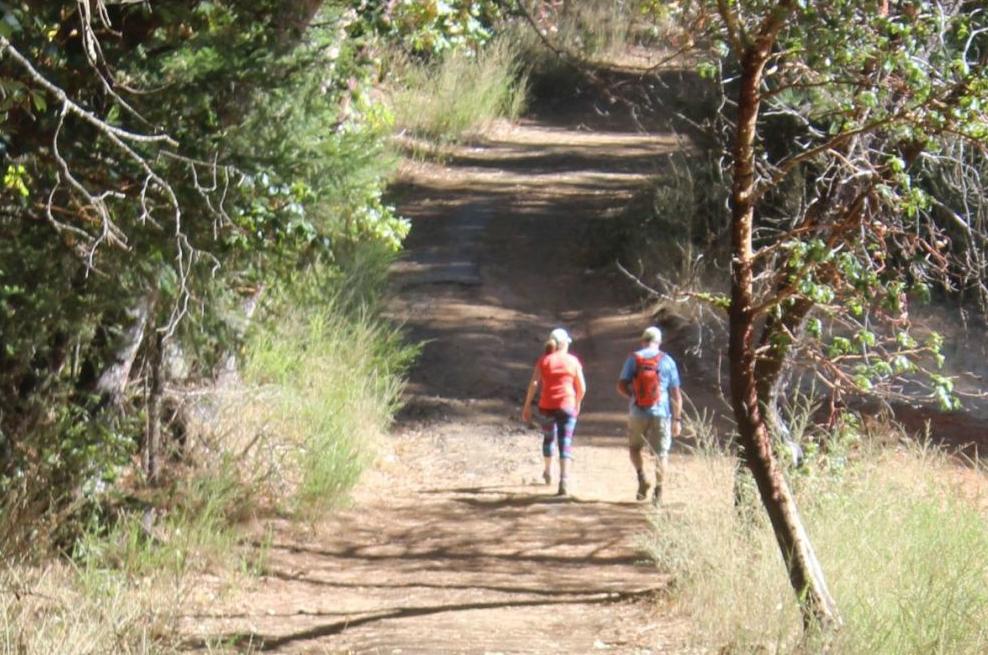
[{"x": 646, "y": 383}]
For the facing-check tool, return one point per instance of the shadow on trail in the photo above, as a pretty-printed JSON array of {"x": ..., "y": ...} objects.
[
  {"x": 492, "y": 489},
  {"x": 527, "y": 501},
  {"x": 534, "y": 160},
  {"x": 261, "y": 642},
  {"x": 622, "y": 99},
  {"x": 501, "y": 589},
  {"x": 515, "y": 498},
  {"x": 481, "y": 561}
]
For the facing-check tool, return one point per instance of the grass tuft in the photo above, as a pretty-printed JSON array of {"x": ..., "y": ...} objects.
[
  {"x": 322, "y": 376},
  {"x": 330, "y": 384}
]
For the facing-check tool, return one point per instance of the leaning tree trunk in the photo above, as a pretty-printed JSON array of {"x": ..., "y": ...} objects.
[{"x": 804, "y": 569}]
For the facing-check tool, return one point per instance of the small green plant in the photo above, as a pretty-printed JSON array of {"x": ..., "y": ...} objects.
[{"x": 192, "y": 533}]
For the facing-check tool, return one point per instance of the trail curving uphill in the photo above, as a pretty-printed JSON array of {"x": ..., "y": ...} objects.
[{"x": 450, "y": 545}]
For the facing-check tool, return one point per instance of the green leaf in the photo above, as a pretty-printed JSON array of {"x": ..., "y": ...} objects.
[{"x": 39, "y": 101}]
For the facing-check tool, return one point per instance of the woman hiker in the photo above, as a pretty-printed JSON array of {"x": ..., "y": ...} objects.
[{"x": 560, "y": 375}]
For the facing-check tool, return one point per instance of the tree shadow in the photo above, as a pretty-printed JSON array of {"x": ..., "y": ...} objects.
[
  {"x": 260, "y": 642},
  {"x": 520, "y": 500}
]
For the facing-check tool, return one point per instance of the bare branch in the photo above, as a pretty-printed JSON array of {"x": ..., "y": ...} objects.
[
  {"x": 638, "y": 282},
  {"x": 72, "y": 107}
]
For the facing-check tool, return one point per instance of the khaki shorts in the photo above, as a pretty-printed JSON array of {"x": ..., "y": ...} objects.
[{"x": 652, "y": 431}]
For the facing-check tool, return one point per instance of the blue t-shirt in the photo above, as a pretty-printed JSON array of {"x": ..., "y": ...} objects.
[{"x": 668, "y": 379}]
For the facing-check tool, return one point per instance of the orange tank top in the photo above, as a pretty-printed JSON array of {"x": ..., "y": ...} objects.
[{"x": 558, "y": 371}]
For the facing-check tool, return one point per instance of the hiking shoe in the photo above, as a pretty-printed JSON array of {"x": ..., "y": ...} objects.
[
  {"x": 657, "y": 496},
  {"x": 547, "y": 477},
  {"x": 563, "y": 491},
  {"x": 642, "y": 489}
]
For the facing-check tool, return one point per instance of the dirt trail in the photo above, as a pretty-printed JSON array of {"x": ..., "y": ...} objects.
[{"x": 451, "y": 546}]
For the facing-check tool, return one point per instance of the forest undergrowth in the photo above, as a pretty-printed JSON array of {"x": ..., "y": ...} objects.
[{"x": 320, "y": 376}]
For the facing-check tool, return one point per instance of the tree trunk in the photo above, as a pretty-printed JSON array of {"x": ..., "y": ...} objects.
[
  {"x": 152, "y": 438},
  {"x": 229, "y": 374},
  {"x": 805, "y": 573},
  {"x": 113, "y": 380}
]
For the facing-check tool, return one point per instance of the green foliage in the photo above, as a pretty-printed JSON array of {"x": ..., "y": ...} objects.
[
  {"x": 15, "y": 179},
  {"x": 859, "y": 210},
  {"x": 323, "y": 373},
  {"x": 826, "y": 452},
  {"x": 434, "y": 26},
  {"x": 278, "y": 163}
]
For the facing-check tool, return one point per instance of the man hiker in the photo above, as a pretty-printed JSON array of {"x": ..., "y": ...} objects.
[{"x": 650, "y": 380}]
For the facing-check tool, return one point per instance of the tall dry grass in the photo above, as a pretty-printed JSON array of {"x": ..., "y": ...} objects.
[
  {"x": 321, "y": 377},
  {"x": 330, "y": 384},
  {"x": 61, "y": 610},
  {"x": 902, "y": 545},
  {"x": 594, "y": 30},
  {"x": 461, "y": 93}
]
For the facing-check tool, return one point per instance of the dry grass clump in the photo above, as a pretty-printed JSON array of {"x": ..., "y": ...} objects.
[
  {"x": 321, "y": 376},
  {"x": 59, "y": 609}
]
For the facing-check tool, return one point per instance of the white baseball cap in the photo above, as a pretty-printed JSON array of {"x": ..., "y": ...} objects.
[
  {"x": 652, "y": 334},
  {"x": 559, "y": 335}
]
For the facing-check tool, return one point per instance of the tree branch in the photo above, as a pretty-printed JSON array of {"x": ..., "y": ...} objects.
[{"x": 7, "y": 48}]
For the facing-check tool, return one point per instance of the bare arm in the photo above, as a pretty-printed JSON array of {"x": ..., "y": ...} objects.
[
  {"x": 677, "y": 410},
  {"x": 581, "y": 389},
  {"x": 624, "y": 385},
  {"x": 533, "y": 385}
]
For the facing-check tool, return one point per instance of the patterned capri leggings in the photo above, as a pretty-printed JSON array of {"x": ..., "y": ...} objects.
[{"x": 557, "y": 424}]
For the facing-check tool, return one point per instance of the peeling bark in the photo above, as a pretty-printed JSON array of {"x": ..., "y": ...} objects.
[{"x": 777, "y": 341}]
